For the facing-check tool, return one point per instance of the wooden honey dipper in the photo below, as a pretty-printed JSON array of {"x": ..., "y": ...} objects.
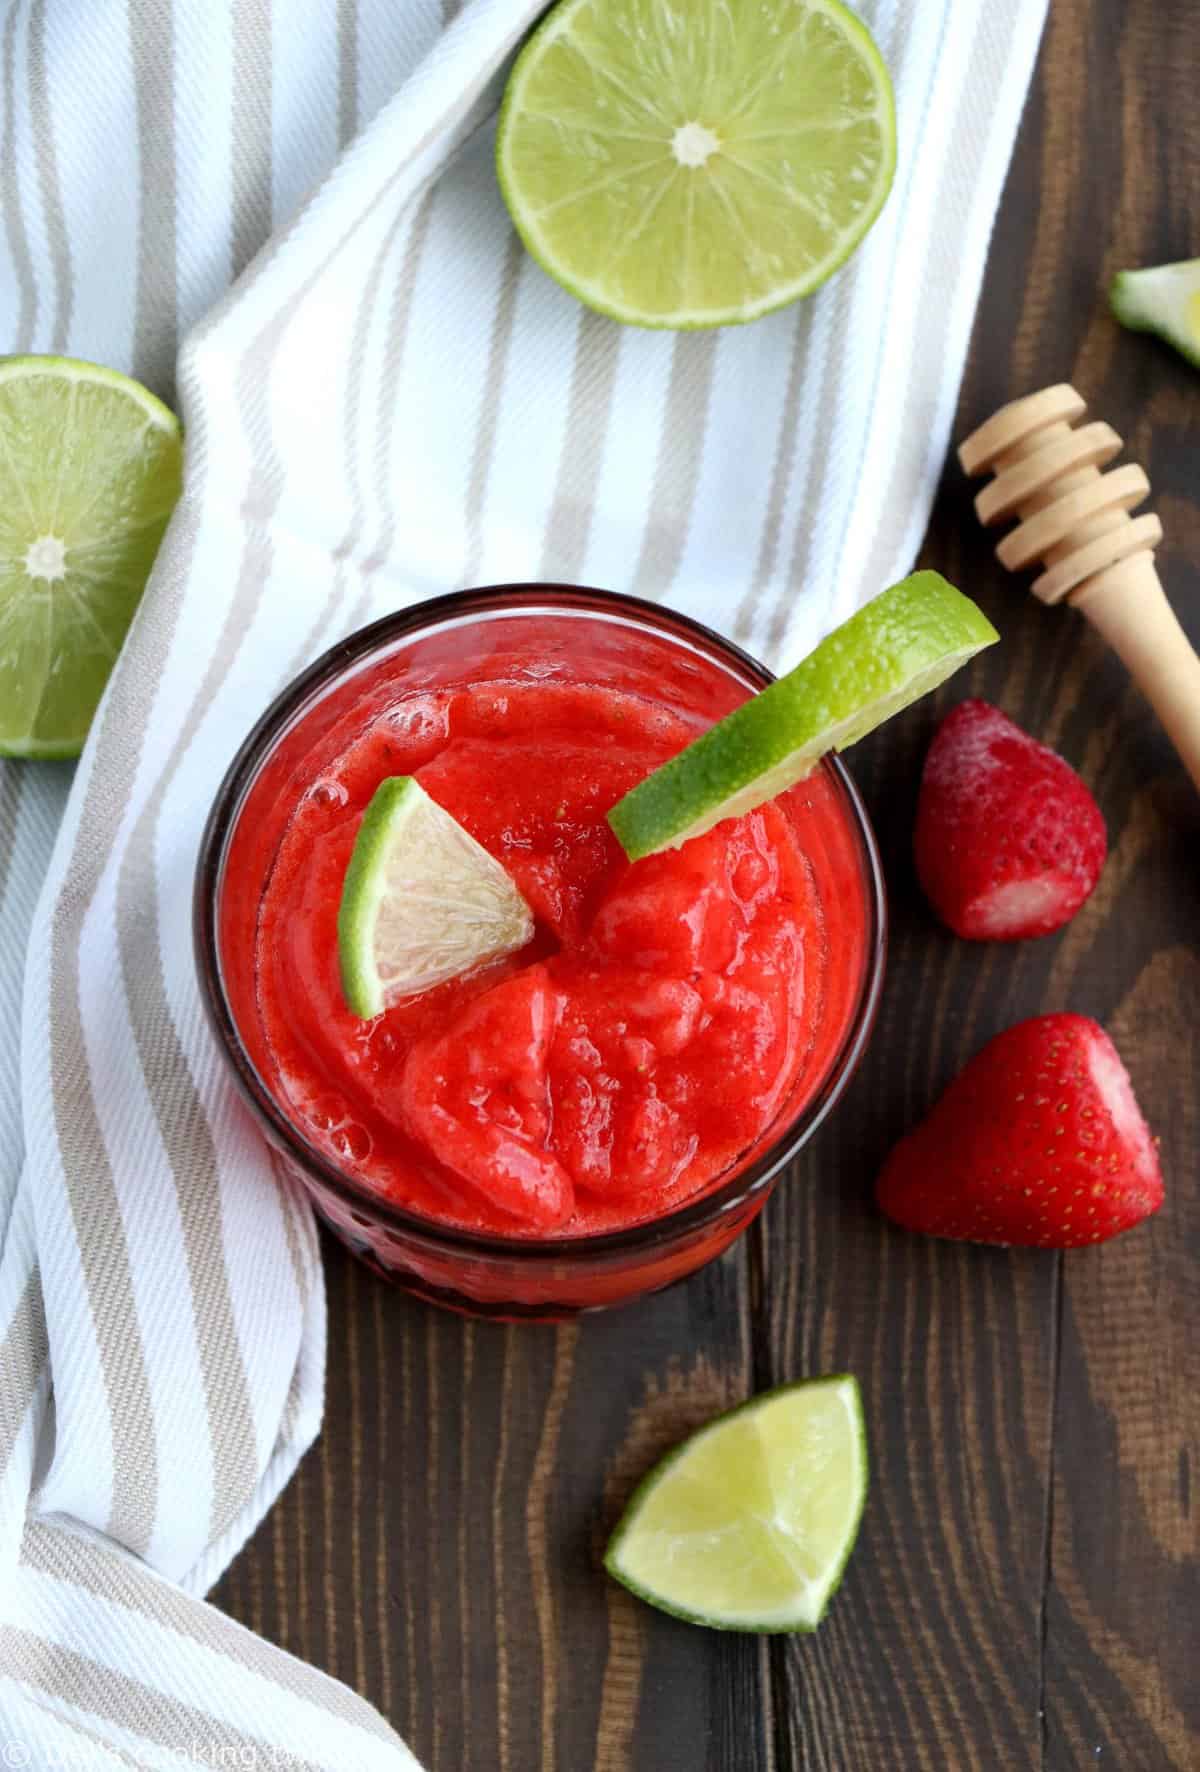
[{"x": 1076, "y": 521}]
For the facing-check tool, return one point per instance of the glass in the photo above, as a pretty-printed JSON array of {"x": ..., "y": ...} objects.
[{"x": 477, "y": 636}]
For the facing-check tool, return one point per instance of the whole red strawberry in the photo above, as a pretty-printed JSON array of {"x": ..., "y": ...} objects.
[
  {"x": 1038, "y": 1141},
  {"x": 1008, "y": 842}
]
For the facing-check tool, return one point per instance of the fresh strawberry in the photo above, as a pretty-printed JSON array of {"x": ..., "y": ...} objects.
[
  {"x": 1038, "y": 1141},
  {"x": 1008, "y": 842}
]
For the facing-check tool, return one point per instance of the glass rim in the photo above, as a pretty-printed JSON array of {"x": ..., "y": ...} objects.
[{"x": 692, "y": 1215}]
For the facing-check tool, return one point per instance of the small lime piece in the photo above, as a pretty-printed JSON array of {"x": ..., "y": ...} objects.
[
  {"x": 748, "y": 1525},
  {"x": 421, "y": 902},
  {"x": 1163, "y": 299},
  {"x": 695, "y": 162},
  {"x": 896, "y": 648},
  {"x": 91, "y": 468}
]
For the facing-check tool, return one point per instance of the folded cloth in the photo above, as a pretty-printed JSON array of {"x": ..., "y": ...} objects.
[{"x": 392, "y": 400}]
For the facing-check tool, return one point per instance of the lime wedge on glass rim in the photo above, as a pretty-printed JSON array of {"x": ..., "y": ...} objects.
[
  {"x": 1163, "y": 299},
  {"x": 421, "y": 902},
  {"x": 695, "y": 165},
  {"x": 895, "y": 649},
  {"x": 748, "y": 1525},
  {"x": 90, "y": 470}
]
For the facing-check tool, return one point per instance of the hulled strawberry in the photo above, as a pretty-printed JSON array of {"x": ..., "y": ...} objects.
[{"x": 1009, "y": 842}]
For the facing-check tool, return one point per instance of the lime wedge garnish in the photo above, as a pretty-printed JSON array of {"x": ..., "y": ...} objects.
[
  {"x": 748, "y": 1525},
  {"x": 897, "y": 647},
  {"x": 90, "y": 470},
  {"x": 1163, "y": 299},
  {"x": 698, "y": 164},
  {"x": 421, "y": 902}
]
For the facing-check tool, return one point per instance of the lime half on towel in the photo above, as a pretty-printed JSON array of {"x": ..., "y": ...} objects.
[
  {"x": 695, "y": 162},
  {"x": 90, "y": 470},
  {"x": 748, "y": 1525},
  {"x": 895, "y": 649}
]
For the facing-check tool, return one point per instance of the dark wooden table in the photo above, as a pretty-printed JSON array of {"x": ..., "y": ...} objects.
[{"x": 1026, "y": 1590}]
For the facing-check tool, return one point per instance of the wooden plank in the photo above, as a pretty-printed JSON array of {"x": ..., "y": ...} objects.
[
  {"x": 1122, "y": 1605},
  {"x": 1122, "y": 1618},
  {"x": 932, "y": 1656},
  {"x": 993, "y": 1615},
  {"x": 440, "y": 1549},
  {"x": 931, "y": 1650}
]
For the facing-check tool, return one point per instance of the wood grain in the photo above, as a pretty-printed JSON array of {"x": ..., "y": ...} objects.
[{"x": 1026, "y": 1593}]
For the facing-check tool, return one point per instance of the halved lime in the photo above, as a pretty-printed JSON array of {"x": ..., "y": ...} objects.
[
  {"x": 90, "y": 470},
  {"x": 695, "y": 163},
  {"x": 421, "y": 902},
  {"x": 1163, "y": 299},
  {"x": 748, "y": 1525},
  {"x": 895, "y": 649}
]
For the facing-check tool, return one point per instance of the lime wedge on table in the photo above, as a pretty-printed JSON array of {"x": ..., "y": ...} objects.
[
  {"x": 90, "y": 470},
  {"x": 422, "y": 901},
  {"x": 748, "y": 1525},
  {"x": 897, "y": 647},
  {"x": 695, "y": 162},
  {"x": 1163, "y": 299}
]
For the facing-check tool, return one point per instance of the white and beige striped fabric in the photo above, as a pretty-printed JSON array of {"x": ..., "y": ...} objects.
[{"x": 389, "y": 402}]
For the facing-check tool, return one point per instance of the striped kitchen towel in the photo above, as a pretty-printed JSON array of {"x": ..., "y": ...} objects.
[{"x": 389, "y": 400}]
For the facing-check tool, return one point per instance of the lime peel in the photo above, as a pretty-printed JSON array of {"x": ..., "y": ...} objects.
[
  {"x": 749, "y": 1524},
  {"x": 421, "y": 902},
  {"x": 896, "y": 648}
]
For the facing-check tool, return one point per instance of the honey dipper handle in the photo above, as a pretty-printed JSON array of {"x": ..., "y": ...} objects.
[{"x": 1129, "y": 607}]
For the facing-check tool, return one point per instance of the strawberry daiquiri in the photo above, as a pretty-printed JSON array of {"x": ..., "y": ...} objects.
[
  {"x": 666, "y": 1025},
  {"x": 643, "y": 1039}
]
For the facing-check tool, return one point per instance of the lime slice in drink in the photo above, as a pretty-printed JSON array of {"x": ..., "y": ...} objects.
[
  {"x": 699, "y": 164},
  {"x": 90, "y": 470},
  {"x": 897, "y": 647},
  {"x": 1163, "y": 299},
  {"x": 421, "y": 902},
  {"x": 748, "y": 1525}
]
